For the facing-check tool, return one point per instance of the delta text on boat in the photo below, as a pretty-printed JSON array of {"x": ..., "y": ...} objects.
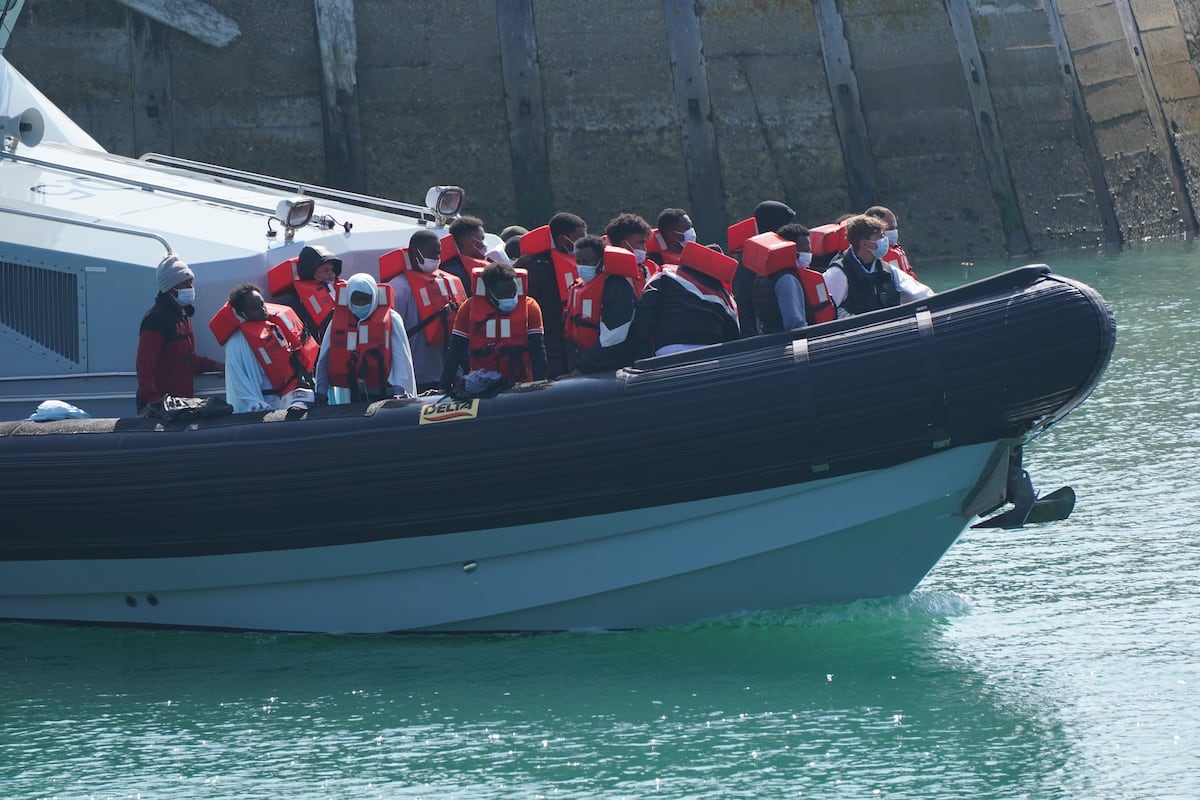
[{"x": 828, "y": 464}]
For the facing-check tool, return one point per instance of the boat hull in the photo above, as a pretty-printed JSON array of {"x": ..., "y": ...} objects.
[{"x": 815, "y": 542}]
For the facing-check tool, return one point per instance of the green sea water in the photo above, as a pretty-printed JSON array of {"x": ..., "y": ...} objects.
[{"x": 1061, "y": 660}]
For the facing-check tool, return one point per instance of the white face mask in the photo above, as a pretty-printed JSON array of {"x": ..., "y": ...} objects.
[
  {"x": 586, "y": 272},
  {"x": 803, "y": 260},
  {"x": 689, "y": 235},
  {"x": 427, "y": 264},
  {"x": 893, "y": 236},
  {"x": 186, "y": 297}
]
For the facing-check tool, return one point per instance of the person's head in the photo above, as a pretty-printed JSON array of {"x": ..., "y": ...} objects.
[
  {"x": 795, "y": 232},
  {"x": 512, "y": 231},
  {"x": 469, "y": 236},
  {"x": 865, "y": 234},
  {"x": 890, "y": 224},
  {"x": 317, "y": 263},
  {"x": 363, "y": 299},
  {"x": 676, "y": 229},
  {"x": 629, "y": 231},
  {"x": 425, "y": 250},
  {"x": 500, "y": 283},
  {"x": 771, "y": 215},
  {"x": 176, "y": 279},
  {"x": 512, "y": 247},
  {"x": 589, "y": 256},
  {"x": 565, "y": 229},
  {"x": 247, "y": 300}
]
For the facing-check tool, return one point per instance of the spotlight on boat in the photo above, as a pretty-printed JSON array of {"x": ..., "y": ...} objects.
[
  {"x": 293, "y": 213},
  {"x": 26, "y": 128},
  {"x": 444, "y": 201}
]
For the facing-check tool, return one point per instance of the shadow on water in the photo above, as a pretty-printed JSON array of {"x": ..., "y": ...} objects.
[{"x": 838, "y": 700}]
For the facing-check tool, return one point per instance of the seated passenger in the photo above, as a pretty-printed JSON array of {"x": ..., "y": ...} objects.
[
  {"x": 666, "y": 242},
  {"x": 309, "y": 285},
  {"x": 601, "y": 305},
  {"x": 497, "y": 338},
  {"x": 858, "y": 279},
  {"x": 269, "y": 355},
  {"x": 365, "y": 354},
  {"x": 551, "y": 266},
  {"x": 631, "y": 232},
  {"x": 427, "y": 299},
  {"x": 166, "y": 352},
  {"x": 896, "y": 256},
  {"x": 469, "y": 251},
  {"x": 769, "y": 216},
  {"x": 686, "y": 306},
  {"x": 787, "y": 294}
]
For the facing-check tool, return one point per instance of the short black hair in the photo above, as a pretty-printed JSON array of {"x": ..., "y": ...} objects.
[
  {"x": 793, "y": 232},
  {"x": 463, "y": 226},
  {"x": 422, "y": 237},
  {"x": 565, "y": 222},
  {"x": 620, "y": 226},
  {"x": 591, "y": 243},
  {"x": 239, "y": 295},
  {"x": 494, "y": 273},
  {"x": 670, "y": 216}
]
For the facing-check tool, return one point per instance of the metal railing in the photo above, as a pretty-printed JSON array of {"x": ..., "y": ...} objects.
[{"x": 85, "y": 224}]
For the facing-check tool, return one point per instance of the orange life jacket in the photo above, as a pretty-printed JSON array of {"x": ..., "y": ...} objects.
[
  {"x": 768, "y": 253},
  {"x": 315, "y": 299},
  {"x": 280, "y": 343},
  {"x": 828, "y": 240},
  {"x": 438, "y": 295},
  {"x": 538, "y": 241},
  {"x": 584, "y": 307},
  {"x": 360, "y": 352},
  {"x": 657, "y": 245},
  {"x": 709, "y": 261},
  {"x": 899, "y": 259},
  {"x": 737, "y": 233},
  {"x": 499, "y": 341}
]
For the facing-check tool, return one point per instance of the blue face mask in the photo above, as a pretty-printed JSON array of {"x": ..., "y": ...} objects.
[
  {"x": 893, "y": 236},
  {"x": 587, "y": 273},
  {"x": 361, "y": 312},
  {"x": 881, "y": 248},
  {"x": 506, "y": 305}
]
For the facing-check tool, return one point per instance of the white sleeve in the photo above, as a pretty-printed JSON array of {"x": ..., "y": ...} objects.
[
  {"x": 402, "y": 377},
  {"x": 243, "y": 377},
  {"x": 909, "y": 287},
  {"x": 835, "y": 282}
]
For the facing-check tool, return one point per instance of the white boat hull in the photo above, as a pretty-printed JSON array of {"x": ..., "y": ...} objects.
[{"x": 822, "y": 541}]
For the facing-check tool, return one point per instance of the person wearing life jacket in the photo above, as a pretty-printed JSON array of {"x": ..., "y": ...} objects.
[
  {"x": 686, "y": 306},
  {"x": 549, "y": 257},
  {"x": 787, "y": 294},
  {"x": 858, "y": 279},
  {"x": 600, "y": 307},
  {"x": 666, "y": 242},
  {"x": 895, "y": 256},
  {"x": 632, "y": 232},
  {"x": 167, "y": 362},
  {"x": 309, "y": 284},
  {"x": 365, "y": 354},
  {"x": 427, "y": 299},
  {"x": 469, "y": 248},
  {"x": 498, "y": 338},
  {"x": 769, "y": 217},
  {"x": 269, "y": 355}
]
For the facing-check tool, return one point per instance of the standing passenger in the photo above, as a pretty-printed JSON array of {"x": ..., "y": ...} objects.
[
  {"x": 166, "y": 354},
  {"x": 365, "y": 354},
  {"x": 551, "y": 268}
]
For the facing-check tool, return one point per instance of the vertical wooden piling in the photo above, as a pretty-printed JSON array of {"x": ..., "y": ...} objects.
[
  {"x": 527, "y": 141},
  {"x": 700, "y": 159},
  {"x": 150, "y": 71},
  {"x": 337, "y": 41}
]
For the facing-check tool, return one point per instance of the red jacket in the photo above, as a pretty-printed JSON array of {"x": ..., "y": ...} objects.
[{"x": 166, "y": 354}]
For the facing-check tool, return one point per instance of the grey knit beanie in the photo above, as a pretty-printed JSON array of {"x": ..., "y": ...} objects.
[{"x": 173, "y": 271}]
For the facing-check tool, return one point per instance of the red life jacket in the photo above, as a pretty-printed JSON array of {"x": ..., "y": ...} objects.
[
  {"x": 585, "y": 305},
  {"x": 709, "y": 261},
  {"x": 538, "y": 241},
  {"x": 450, "y": 250},
  {"x": 737, "y": 233},
  {"x": 898, "y": 259},
  {"x": 438, "y": 295},
  {"x": 828, "y": 240},
  {"x": 768, "y": 253},
  {"x": 280, "y": 343},
  {"x": 360, "y": 352},
  {"x": 657, "y": 244},
  {"x": 315, "y": 299},
  {"x": 499, "y": 341}
]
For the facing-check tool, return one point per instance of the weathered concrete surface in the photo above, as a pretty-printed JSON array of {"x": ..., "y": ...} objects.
[{"x": 434, "y": 107}]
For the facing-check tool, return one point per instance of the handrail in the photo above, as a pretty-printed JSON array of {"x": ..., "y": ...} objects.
[
  {"x": 144, "y": 186},
  {"x": 94, "y": 225},
  {"x": 270, "y": 181}
]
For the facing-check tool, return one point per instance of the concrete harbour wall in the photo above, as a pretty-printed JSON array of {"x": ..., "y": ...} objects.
[{"x": 1014, "y": 127}]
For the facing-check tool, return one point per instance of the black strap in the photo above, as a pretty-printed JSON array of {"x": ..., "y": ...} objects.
[
  {"x": 933, "y": 370},
  {"x": 818, "y": 460}
]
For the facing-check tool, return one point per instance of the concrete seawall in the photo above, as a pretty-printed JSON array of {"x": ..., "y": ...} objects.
[{"x": 1017, "y": 127}]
